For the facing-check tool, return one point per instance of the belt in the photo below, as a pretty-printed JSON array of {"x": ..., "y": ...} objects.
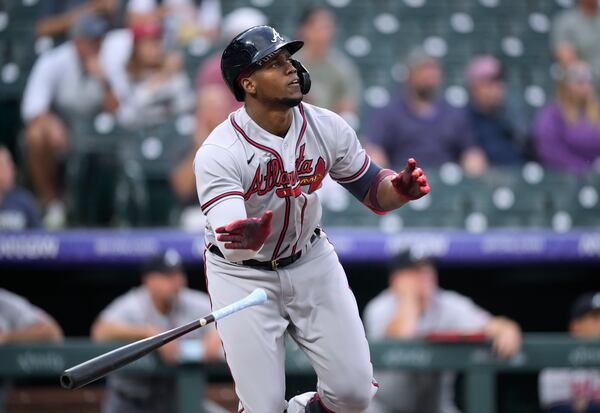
[{"x": 273, "y": 264}]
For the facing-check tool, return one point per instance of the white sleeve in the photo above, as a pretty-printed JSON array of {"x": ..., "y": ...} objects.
[
  {"x": 350, "y": 159},
  {"x": 141, "y": 6},
  {"x": 220, "y": 192},
  {"x": 37, "y": 97},
  {"x": 466, "y": 316}
]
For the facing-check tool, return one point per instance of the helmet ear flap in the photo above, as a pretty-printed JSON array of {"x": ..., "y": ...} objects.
[{"x": 303, "y": 75}]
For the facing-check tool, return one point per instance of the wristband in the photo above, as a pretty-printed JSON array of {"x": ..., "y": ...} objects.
[{"x": 381, "y": 175}]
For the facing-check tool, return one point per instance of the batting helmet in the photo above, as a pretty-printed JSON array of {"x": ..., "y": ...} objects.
[{"x": 249, "y": 50}]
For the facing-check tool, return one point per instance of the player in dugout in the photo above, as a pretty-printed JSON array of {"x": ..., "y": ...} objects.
[{"x": 414, "y": 306}]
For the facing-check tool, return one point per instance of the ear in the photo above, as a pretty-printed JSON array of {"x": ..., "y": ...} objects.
[{"x": 248, "y": 85}]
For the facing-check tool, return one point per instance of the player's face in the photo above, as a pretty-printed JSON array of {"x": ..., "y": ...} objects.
[
  {"x": 587, "y": 326},
  {"x": 277, "y": 81},
  {"x": 164, "y": 287}
]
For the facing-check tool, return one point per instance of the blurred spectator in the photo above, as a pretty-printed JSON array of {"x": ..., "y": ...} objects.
[
  {"x": 184, "y": 20},
  {"x": 576, "y": 35},
  {"x": 65, "y": 84},
  {"x": 575, "y": 390},
  {"x": 415, "y": 307},
  {"x": 161, "y": 303},
  {"x": 58, "y": 16},
  {"x": 567, "y": 131},
  {"x": 499, "y": 124},
  {"x": 18, "y": 209},
  {"x": 214, "y": 101},
  {"x": 212, "y": 109},
  {"x": 419, "y": 124},
  {"x": 336, "y": 83},
  {"x": 153, "y": 88},
  {"x": 210, "y": 71}
]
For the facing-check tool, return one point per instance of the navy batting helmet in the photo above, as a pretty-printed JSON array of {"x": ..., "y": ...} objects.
[{"x": 249, "y": 50}]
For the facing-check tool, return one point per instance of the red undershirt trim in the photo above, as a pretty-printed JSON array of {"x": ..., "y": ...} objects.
[{"x": 375, "y": 207}]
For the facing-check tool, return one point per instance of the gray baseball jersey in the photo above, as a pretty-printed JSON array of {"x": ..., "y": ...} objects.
[
  {"x": 135, "y": 308},
  {"x": 243, "y": 168},
  {"x": 17, "y": 313},
  {"x": 241, "y": 160},
  {"x": 421, "y": 391},
  {"x": 565, "y": 386}
]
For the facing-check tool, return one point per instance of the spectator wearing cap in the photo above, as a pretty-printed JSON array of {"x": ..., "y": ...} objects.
[
  {"x": 575, "y": 390},
  {"x": 499, "y": 124},
  {"x": 575, "y": 35},
  {"x": 336, "y": 82},
  {"x": 18, "y": 209},
  {"x": 58, "y": 16},
  {"x": 152, "y": 88},
  {"x": 184, "y": 19},
  {"x": 415, "y": 307},
  {"x": 418, "y": 124},
  {"x": 66, "y": 83},
  {"x": 214, "y": 101},
  {"x": 162, "y": 302},
  {"x": 567, "y": 131}
]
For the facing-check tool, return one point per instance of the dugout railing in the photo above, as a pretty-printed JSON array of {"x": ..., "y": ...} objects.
[{"x": 475, "y": 360}]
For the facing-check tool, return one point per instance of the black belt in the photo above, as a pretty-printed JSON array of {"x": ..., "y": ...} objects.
[{"x": 269, "y": 265}]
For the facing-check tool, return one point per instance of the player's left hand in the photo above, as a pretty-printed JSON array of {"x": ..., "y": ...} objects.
[
  {"x": 411, "y": 182},
  {"x": 246, "y": 234}
]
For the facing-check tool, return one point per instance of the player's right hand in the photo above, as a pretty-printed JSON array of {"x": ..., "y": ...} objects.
[{"x": 246, "y": 234}]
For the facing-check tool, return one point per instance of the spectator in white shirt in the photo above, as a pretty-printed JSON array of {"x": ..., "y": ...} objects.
[
  {"x": 66, "y": 83},
  {"x": 153, "y": 88}
]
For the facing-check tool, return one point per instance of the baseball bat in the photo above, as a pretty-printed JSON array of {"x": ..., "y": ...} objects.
[{"x": 96, "y": 368}]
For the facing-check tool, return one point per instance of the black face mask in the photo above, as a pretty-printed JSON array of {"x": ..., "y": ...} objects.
[{"x": 425, "y": 93}]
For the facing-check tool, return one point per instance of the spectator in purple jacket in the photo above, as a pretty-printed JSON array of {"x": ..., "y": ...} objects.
[
  {"x": 567, "y": 131},
  {"x": 420, "y": 124}
]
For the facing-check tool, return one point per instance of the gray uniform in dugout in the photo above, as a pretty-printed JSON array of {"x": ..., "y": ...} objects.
[
  {"x": 427, "y": 392},
  {"x": 131, "y": 394}
]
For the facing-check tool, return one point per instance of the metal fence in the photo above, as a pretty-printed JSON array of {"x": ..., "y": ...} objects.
[{"x": 476, "y": 361}]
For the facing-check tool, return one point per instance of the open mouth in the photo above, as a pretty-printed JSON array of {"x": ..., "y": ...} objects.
[{"x": 295, "y": 82}]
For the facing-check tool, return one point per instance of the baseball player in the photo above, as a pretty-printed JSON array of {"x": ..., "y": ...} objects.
[{"x": 256, "y": 176}]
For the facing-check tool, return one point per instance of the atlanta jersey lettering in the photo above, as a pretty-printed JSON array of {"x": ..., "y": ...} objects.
[{"x": 240, "y": 160}]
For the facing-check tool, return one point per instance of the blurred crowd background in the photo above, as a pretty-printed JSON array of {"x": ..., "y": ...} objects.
[{"x": 103, "y": 104}]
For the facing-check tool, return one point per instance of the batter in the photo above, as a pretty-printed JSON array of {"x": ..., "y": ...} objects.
[{"x": 256, "y": 177}]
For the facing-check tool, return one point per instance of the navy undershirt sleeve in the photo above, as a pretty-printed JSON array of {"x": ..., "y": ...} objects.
[{"x": 360, "y": 187}]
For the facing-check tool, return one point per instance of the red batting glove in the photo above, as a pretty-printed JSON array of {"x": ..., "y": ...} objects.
[
  {"x": 411, "y": 182},
  {"x": 246, "y": 234}
]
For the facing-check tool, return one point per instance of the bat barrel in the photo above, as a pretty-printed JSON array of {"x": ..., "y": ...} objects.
[{"x": 100, "y": 366}]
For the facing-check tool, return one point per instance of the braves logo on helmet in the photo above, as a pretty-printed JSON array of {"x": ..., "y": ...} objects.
[{"x": 276, "y": 37}]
